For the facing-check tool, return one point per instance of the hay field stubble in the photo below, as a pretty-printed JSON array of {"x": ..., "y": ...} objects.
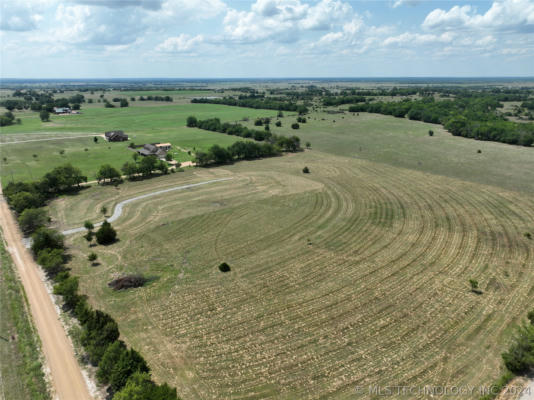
[{"x": 356, "y": 274}]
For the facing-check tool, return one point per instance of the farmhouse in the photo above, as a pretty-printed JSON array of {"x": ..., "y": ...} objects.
[
  {"x": 152, "y": 150},
  {"x": 62, "y": 110},
  {"x": 116, "y": 136},
  {"x": 163, "y": 146}
]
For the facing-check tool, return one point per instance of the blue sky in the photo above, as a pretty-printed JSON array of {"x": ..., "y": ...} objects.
[{"x": 265, "y": 38}]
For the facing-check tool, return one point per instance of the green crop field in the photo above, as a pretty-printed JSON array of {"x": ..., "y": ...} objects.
[{"x": 356, "y": 274}]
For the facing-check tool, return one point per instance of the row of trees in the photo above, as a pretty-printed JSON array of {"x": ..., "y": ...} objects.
[
  {"x": 283, "y": 143},
  {"x": 237, "y": 151},
  {"x": 471, "y": 117},
  {"x": 45, "y": 101},
  {"x": 24, "y": 195},
  {"x": 340, "y": 100},
  {"x": 156, "y": 98},
  {"x": 254, "y": 101},
  {"x": 123, "y": 369},
  {"x": 120, "y": 367}
]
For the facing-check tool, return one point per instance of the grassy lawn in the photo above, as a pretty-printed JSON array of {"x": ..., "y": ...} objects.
[
  {"x": 163, "y": 123},
  {"x": 21, "y": 373}
]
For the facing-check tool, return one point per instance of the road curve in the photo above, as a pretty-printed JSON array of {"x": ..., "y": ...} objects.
[
  {"x": 117, "y": 212},
  {"x": 66, "y": 375}
]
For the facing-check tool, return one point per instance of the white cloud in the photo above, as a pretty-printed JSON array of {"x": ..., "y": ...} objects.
[
  {"x": 284, "y": 20},
  {"x": 411, "y": 3},
  {"x": 180, "y": 44},
  {"x": 417, "y": 39},
  {"x": 20, "y": 16},
  {"x": 148, "y": 4},
  {"x": 503, "y": 15}
]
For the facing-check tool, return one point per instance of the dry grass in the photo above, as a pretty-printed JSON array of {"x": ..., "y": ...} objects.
[{"x": 355, "y": 274}]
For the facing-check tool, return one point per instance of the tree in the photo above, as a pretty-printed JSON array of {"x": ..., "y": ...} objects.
[
  {"x": 140, "y": 387},
  {"x": 224, "y": 267},
  {"x": 68, "y": 288},
  {"x": 88, "y": 225},
  {"x": 191, "y": 121},
  {"x": 124, "y": 103},
  {"x": 106, "y": 234},
  {"x": 45, "y": 238},
  {"x": 23, "y": 200},
  {"x": 106, "y": 171},
  {"x": 308, "y": 145},
  {"x": 92, "y": 257},
  {"x": 129, "y": 362},
  {"x": 519, "y": 358},
  {"x": 109, "y": 359},
  {"x": 51, "y": 260},
  {"x": 95, "y": 139},
  {"x": 278, "y": 123},
  {"x": 473, "y": 283},
  {"x": 89, "y": 237},
  {"x": 104, "y": 210},
  {"x": 129, "y": 169},
  {"x": 32, "y": 219},
  {"x": 430, "y": 132},
  {"x": 135, "y": 156},
  {"x": 147, "y": 165},
  {"x": 306, "y": 170},
  {"x": 295, "y": 125},
  {"x": 168, "y": 157},
  {"x": 44, "y": 115}
]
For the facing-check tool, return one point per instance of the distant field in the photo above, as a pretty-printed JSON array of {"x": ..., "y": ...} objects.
[
  {"x": 163, "y": 123},
  {"x": 354, "y": 275},
  {"x": 21, "y": 374}
]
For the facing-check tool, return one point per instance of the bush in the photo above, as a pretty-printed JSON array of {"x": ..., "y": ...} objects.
[
  {"x": 306, "y": 170},
  {"x": 51, "y": 260},
  {"x": 431, "y": 133},
  {"x": 106, "y": 234},
  {"x": 519, "y": 358},
  {"x": 127, "y": 282},
  {"x": 295, "y": 125},
  {"x": 45, "y": 238},
  {"x": 191, "y": 121},
  {"x": 32, "y": 219},
  {"x": 224, "y": 267},
  {"x": 258, "y": 122},
  {"x": 278, "y": 123}
]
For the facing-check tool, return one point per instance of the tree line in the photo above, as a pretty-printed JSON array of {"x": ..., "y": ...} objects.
[
  {"x": 257, "y": 102},
  {"x": 123, "y": 369},
  {"x": 471, "y": 117},
  {"x": 282, "y": 143}
]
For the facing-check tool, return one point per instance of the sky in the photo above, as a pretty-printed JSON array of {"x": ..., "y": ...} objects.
[{"x": 265, "y": 38}]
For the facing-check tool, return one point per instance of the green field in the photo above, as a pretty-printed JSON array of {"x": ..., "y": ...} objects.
[
  {"x": 353, "y": 275},
  {"x": 21, "y": 374},
  {"x": 160, "y": 123}
]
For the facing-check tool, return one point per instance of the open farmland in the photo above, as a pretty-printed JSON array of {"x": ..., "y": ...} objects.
[
  {"x": 356, "y": 274},
  {"x": 160, "y": 123}
]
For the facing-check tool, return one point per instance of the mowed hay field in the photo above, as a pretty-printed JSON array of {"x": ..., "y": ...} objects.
[{"x": 353, "y": 275}]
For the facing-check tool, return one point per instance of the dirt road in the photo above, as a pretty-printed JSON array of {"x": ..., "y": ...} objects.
[{"x": 67, "y": 380}]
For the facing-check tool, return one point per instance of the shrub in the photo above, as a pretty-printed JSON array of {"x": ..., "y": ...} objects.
[
  {"x": 32, "y": 219},
  {"x": 51, "y": 260},
  {"x": 224, "y": 267},
  {"x": 431, "y": 133},
  {"x": 479, "y": 151},
  {"x": 528, "y": 235},
  {"x": 92, "y": 257},
  {"x": 306, "y": 170},
  {"x": 278, "y": 123},
  {"x": 258, "y": 122},
  {"x": 295, "y": 125},
  {"x": 106, "y": 234},
  {"x": 127, "y": 282},
  {"x": 45, "y": 238},
  {"x": 519, "y": 358},
  {"x": 191, "y": 121}
]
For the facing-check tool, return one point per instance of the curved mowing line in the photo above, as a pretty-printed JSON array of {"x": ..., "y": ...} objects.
[{"x": 117, "y": 212}]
